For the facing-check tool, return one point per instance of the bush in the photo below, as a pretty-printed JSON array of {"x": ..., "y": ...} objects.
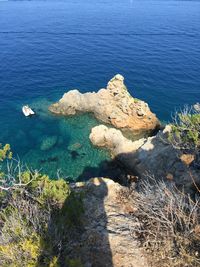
[
  {"x": 35, "y": 220},
  {"x": 5, "y": 152},
  {"x": 169, "y": 224},
  {"x": 186, "y": 132}
]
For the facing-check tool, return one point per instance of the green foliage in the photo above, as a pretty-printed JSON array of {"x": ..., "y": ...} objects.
[
  {"x": 5, "y": 152},
  {"x": 54, "y": 262},
  {"x": 74, "y": 209},
  {"x": 74, "y": 263},
  {"x": 185, "y": 133},
  {"x": 53, "y": 191},
  {"x": 35, "y": 220},
  {"x": 21, "y": 253}
]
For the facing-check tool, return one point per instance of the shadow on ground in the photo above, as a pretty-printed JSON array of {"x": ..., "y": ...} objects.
[{"x": 77, "y": 234}]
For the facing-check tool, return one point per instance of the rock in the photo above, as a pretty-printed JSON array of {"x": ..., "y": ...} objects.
[
  {"x": 113, "y": 139},
  {"x": 154, "y": 155},
  {"x": 113, "y": 105},
  {"x": 187, "y": 158},
  {"x": 197, "y": 107},
  {"x": 107, "y": 229},
  {"x": 48, "y": 142}
]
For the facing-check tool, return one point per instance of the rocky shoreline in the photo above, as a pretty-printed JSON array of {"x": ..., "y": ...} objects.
[
  {"x": 142, "y": 153},
  {"x": 148, "y": 156}
]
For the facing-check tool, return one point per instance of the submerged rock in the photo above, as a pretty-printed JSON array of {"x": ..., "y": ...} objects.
[
  {"x": 48, "y": 142},
  {"x": 154, "y": 156},
  {"x": 113, "y": 105}
]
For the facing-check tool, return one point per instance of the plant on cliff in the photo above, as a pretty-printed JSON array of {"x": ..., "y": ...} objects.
[
  {"x": 186, "y": 132},
  {"x": 169, "y": 224},
  {"x": 37, "y": 216},
  {"x": 5, "y": 152}
]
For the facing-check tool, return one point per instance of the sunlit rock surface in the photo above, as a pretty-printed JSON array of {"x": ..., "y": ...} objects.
[
  {"x": 113, "y": 105},
  {"x": 152, "y": 156}
]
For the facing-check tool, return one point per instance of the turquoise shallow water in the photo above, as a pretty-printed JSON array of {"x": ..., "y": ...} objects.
[
  {"x": 57, "y": 146},
  {"x": 49, "y": 47}
]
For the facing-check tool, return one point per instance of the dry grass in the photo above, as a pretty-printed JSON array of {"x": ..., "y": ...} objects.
[{"x": 169, "y": 224}]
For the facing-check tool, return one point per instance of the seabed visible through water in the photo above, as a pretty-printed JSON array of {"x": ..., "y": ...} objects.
[{"x": 56, "y": 145}]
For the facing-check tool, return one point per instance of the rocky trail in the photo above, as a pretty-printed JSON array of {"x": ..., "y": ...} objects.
[{"x": 108, "y": 238}]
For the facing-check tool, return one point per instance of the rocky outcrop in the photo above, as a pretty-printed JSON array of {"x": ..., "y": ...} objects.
[
  {"x": 107, "y": 238},
  {"x": 114, "y": 140},
  {"x": 113, "y": 105},
  {"x": 154, "y": 155}
]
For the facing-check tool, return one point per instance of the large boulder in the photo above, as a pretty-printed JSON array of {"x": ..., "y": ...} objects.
[
  {"x": 113, "y": 105},
  {"x": 154, "y": 156}
]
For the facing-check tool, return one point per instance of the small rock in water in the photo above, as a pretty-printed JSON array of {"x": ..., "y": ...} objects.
[
  {"x": 75, "y": 146},
  {"x": 48, "y": 142},
  {"x": 197, "y": 107},
  {"x": 52, "y": 159},
  {"x": 74, "y": 154}
]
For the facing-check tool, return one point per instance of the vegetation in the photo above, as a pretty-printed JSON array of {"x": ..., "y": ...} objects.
[
  {"x": 169, "y": 224},
  {"x": 168, "y": 219},
  {"x": 37, "y": 216},
  {"x": 5, "y": 152},
  {"x": 186, "y": 132}
]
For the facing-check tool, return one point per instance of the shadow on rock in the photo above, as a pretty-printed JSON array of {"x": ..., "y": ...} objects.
[{"x": 77, "y": 234}]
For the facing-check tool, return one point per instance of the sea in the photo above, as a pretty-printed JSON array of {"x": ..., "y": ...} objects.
[{"x": 50, "y": 47}]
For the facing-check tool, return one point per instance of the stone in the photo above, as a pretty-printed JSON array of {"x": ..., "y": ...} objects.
[
  {"x": 113, "y": 105},
  {"x": 113, "y": 139},
  {"x": 153, "y": 155},
  {"x": 197, "y": 107},
  {"x": 187, "y": 158},
  {"x": 107, "y": 229},
  {"x": 48, "y": 142}
]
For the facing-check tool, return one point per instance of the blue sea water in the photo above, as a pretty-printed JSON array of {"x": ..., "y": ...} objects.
[{"x": 50, "y": 47}]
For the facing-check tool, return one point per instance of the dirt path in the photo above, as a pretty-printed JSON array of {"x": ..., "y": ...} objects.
[{"x": 107, "y": 239}]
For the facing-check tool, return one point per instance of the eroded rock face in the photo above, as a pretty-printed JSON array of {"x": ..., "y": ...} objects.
[
  {"x": 113, "y": 105},
  {"x": 107, "y": 239},
  {"x": 113, "y": 139},
  {"x": 154, "y": 155}
]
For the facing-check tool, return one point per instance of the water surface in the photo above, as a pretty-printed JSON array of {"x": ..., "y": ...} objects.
[{"x": 47, "y": 48}]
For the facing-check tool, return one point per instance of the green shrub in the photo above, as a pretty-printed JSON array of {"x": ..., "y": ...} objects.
[
  {"x": 74, "y": 263},
  {"x": 186, "y": 130},
  {"x": 35, "y": 220},
  {"x": 5, "y": 152}
]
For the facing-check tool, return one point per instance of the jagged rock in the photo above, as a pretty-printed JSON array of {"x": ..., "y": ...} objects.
[
  {"x": 154, "y": 155},
  {"x": 112, "y": 105},
  {"x": 108, "y": 227}
]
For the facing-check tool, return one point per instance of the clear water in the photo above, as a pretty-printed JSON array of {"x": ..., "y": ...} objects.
[{"x": 47, "y": 48}]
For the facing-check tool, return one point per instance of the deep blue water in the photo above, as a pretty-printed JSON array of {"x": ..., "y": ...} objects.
[{"x": 47, "y": 48}]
